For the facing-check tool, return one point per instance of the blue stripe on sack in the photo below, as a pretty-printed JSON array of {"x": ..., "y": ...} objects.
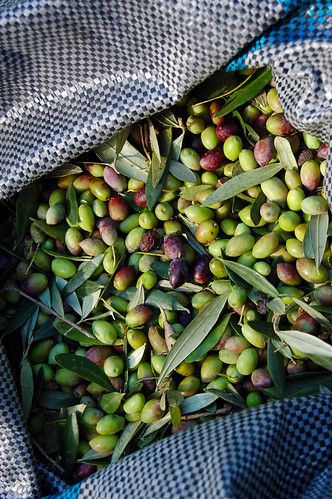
[
  {"x": 70, "y": 493},
  {"x": 312, "y": 17}
]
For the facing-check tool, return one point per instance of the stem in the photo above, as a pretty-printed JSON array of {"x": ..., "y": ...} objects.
[
  {"x": 55, "y": 314},
  {"x": 224, "y": 410}
]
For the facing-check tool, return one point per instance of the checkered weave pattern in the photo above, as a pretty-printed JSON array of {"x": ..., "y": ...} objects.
[
  {"x": 282, "y": 450},
  {"x": 72, "y": 73}
]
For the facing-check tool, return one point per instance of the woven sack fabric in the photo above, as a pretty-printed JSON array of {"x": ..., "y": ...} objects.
[{"x": 73, "y": 72}]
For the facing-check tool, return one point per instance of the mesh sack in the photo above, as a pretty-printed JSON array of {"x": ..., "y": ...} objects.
[{"x": 73, "y": 72}]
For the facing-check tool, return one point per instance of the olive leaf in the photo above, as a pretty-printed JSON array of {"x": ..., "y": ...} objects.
[
  {"x": 160, "y": 268},
  {"x": 157, "y": 425},
  {"x": 167, "y": 119},
  {"x": 265, "y": 328},
  {"x": 220, "y": 83},
  {"x": 189, "y": 230},
  {"x": 26, "y": 207},
  {"x": 125, "y": 438},
  {"x": 248, "y": 131},
  {"x": 137, "y": 298},
  {"x": 26, "y": 381},
  {"x": 71, "y": 206},
  {"x": 136, "y": 356},
  {"x": 85, "y": 368},
  {"x": 87, "y": 288},
  {"x": 315, "y": 237},
  {"x": 56, "y": 300},
  {"x": 323, "y": 321},
  {"x": 300, "y": 385},
  {"x": 69, "y": 439},
  {"x": 176, "y": 148},
  {"x": 54, "y": 231},
  {"x": 252, "y": 277},
  {"x": 197, "y": 402},
  {"x": 255, "y": 214},
  {"x": 121, "y": 139},
  {"x": 285, "y": 153},
  {"x": 229, "y": 395},
  {"x": 22, "y": 315},
  {"x": 64, "y": 170},
  {"x": 181, "y": 171},
  {"x": 83, "y": 274},
  {"x": 27, "y": 330},
  {"x": 193, "y": 335},
  {"x": 167, "y": 301},
  {"x": 45, "y": 297},
  {"x": 277, "y": 306},
  {"x": 45, "y": 331},
  {"x": 89, "y": 303},
  {"x": 190, "y": 193},
  {"x": 56, "y": 254},
  {"x": 158, "y": 172},
  {"x": 187, "y": 287},
  {"x": 210, "y": 341},
  {"x": 241, "y": 183},
  {"x": 308, "y": 344},
  {"x": 275, "y": 364},
  {"x": 53, "y": 399},
  {"x": 130, "y": 162},
  {"x": 258, "y": 81},
  {"x": 91, "y": 455}
]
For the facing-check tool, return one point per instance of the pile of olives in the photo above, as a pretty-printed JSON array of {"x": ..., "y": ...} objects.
[{"x": 100, "y": 212}]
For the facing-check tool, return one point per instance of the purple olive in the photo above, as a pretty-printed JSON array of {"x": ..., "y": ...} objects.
[
  {"x": 264, "y": 151},
  {"x": 261, "y": 379},
  {"x": 150, "y": 240},
  {"x": 178, "y": 272},
  {"x": 173, "y": 246},
  {"x": 201, "y": 270}
]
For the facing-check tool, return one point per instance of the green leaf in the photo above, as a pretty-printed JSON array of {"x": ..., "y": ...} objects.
[
  {"x": 64, "y": 170},
  {"x": 193, "y": 335},
  {"x": 26, "y": 208},
  {"x": 125, "y": 438},
  {"x": 45, "y": 297},
  {"x": 255, "y": 214},
  {"x": 72, "y": 301},
  {"x": 158, "y": 171},
  {"x": 248, "y": 131},
  {"x": 260, "y": 79},
  {"x": 285, "y": 153},
  {"x": 176, "y": 149},
  {"x": 56, "y": 254},
  {"x": 91, "y": 455},
  {"x": 197, "y": 402},
  {"x": 69, "y": 440},
  {"x": 256, "y": 280},
  {"x": 166, "y": 118},
  {"x": 157, "y": 425},
  {"x": 241, "y": 183},
  {"x": 175, "y": 413},
  {"x": 28, "y": 328},
  {"x": 190, "y": 193},
  {"x": 55, "y": 400},
  {"x": 190, "y": 230},
  {"x": 307, "y": 343},
  {"x": 323, "y": 321},
  {"x": 217, "y": 85},
  {"x": 75, "y": 335},
  {"x": 54, "y": 231},
  {"x": 265, "y": 328},
  {"x": 121, "y": 139},
  {"x": 26, "y": 380},
  {"x": 83, "y": 274},
  {"x": 137, "y": 298},
  {"x": 181, "y": 171},
  {"x": 136, "y": 356},
  {"x": 25, "y": 310},
  {"x": 301, "y": 384},
  {"x": 56, "y": 300},
  {"x": 45, "y": 331},
  {"x": 85, "y": 368},
  {"x": 210, "y": 341},
  {"x": 187, "y": 287},
  {"x": 277, "y": 306},
  {"x": 281, "y": 347},
  {"x": 229, "y": 395},
  {"x": 174, "y": 398},
  {"x": 87, "y": 288},
  {"x": 154, "y": 143},
  {"x": 130, "y": 161},
  {"x": 315, "y": 238},
  {"x": 157, "y": 298},
  {"x": 89, "y": 303},
  {"x": 71, "y": 206},
  {"x": 160, "y": 268},
  {"x": 276, "y": 368}
]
